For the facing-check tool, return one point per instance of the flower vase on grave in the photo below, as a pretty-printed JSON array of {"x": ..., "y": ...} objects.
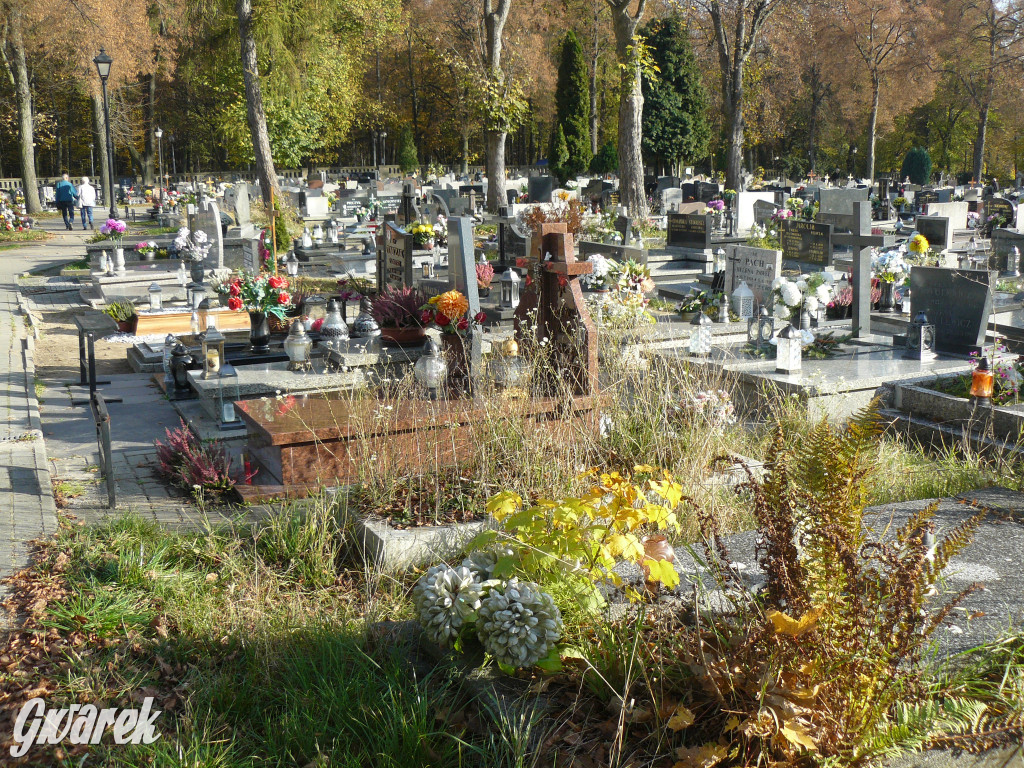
[
  {"x": 887, "y": 302},
  {"x": 455, "y": 350},
  {"x": 805, "y": 320},
  {"x": 259, "y": 333},
  {"x": 119, "y": 260}
]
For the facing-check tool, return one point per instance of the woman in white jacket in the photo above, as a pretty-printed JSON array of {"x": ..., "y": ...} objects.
[{"x": 87, "y": 199}]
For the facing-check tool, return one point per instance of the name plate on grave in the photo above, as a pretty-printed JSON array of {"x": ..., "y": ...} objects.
[
  {"x": 757, "y": 267},
  {"x": 249, "y": 257},
  {"x": 1001, "y": 207},
  {"x": 808, "y": 242},
  {"x": 390, "y": 203},
  {"x": 689, "y": 230},
  {"x": 394, "y": 261},
  {"x": 957, "y": 301}
]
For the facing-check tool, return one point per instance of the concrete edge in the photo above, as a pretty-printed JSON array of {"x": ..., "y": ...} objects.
[{"x": 36, "y": 426}]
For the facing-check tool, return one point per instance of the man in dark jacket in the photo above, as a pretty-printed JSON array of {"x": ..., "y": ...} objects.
[{"x": 66, "y": 194}]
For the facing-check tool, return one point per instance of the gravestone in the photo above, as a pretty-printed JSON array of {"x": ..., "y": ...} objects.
[
  {"x": 957, "y": 301},
  {"x": 1003, "y": 241},
  {"x": 936, "y": 230},
  {"x": 1000, "y": 206},
  {"x": 462, "y": 278},
  {"x": 539, "y": 189},
  {"x": 552, "y": 306},
  {"x": 689, "y": 208},
  {"x": 806, "y": 242},
  {"x": 251, "y": 254},
  {"x": 689, "y": 192},
  {"x": 744, "y": 204},
  {"x": 859, "y": 223},
  {"x": 670, "y": 197},
  {"x": 956, "y": 212},
  {"x": 689, "y": 231},
  {"x": 593, "y": 190},
  {"x": 763, "y": 212},
  {"x": 394, "y": 258},
  {"x": 208, "y": 220},
  {"x": 609, "y": 199},
  {"x": 926, "y": 197},
  {"x": 624, "y": 226},
  {"x": 757, "y": 267},
  {"x": 707, "y": 191},
  {"x": 839, "y": 202}
]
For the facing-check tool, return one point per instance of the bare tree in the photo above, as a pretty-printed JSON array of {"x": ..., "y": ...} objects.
[
  {"x": 736, "y": 26},
  {"x": 631, "y": 105},
  {"x": 13, "y": 51},
  {"x": 254, "y": 103}
]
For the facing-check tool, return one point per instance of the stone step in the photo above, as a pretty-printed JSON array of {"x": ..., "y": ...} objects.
[{"x": 677, "y": 291}]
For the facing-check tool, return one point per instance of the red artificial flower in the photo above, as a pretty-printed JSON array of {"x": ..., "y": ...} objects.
[
  {"x": 283, "y": 297},
  {"x": 276, "y": 282},
  {"x": 562, "y": 281},
  {"x": 317, "y": 324},
  {"x": 426, "y": 316},
  {"x": 442, "y": 319},
  {"x": 521, "y": 263},
  {"x": 235, "y": 289},
  {"x": 480, "y": 317},
  {"x": 234, "y": 303},
  {"x": 463, "y": 324},
  {"x": 529, "y": 281}
]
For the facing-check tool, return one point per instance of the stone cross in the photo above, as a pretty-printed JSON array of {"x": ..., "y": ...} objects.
[
  {"x": 554, "y": 296},
  {"x": 862, "y": 241}
]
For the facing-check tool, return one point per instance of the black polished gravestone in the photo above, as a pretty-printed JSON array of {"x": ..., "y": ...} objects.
[
  {"x": 925, "y": 197},
  {"x": 689, "y": 230},
  {"x": 806, "y": 242},
  {"x": 936, "y": 230},
  {"x": 539, "y": 189},
  {"x": 1001, "y": 207},
  {"x": 957, "y": 301},
  {"x": 394, "y": 258},
  {"x": 763, "y": 212}
]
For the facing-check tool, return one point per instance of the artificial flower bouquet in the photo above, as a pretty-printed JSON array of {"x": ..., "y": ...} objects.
[
  {"x": 450, "y": 312},
  {"x": 191, "y": 246},
  {"x": 114, "y": 229},
  {"x": 422, "y": 233},
  {"x": 265, "y": 293},
  {"x": 890, "y": 266},
  {"x": 145, "y": 247}
]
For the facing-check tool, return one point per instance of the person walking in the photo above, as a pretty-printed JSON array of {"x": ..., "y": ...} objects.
[
  {"x": 65, "y": 197},
  {"x": 87, "y": 199}
]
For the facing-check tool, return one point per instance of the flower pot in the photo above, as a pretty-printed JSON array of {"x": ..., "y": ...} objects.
[
  {"x": 404, "y": 337},
  {"x": 259, "y": 333},
  {"x": 455, "y": 349},
  {"x": 483, "y": 293},
  {"x": 119, "y": 261},
  {"x": 147, "y": 255},
  {"x": 887, "y": 302},
  {"x": 687, "y": 316},
  {"x": 127, "y": 326}
]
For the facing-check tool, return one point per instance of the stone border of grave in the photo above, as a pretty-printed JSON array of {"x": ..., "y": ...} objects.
[
  {"x": 915, "y": 399},
  {"x": 393, "y": 550}
]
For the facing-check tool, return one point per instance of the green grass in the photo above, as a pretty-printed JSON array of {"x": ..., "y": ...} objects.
[
  {"x": 40, "y": 387},
  {"x": 27, "y": 236}
]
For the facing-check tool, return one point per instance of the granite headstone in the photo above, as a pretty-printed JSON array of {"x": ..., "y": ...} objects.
[
  {"x": 806, "y": 242},
  {"x": 957, "y": 301},
  {"x": 689, "y": 230}
]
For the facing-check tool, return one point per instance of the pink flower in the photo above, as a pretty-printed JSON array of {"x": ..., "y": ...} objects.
[{"x": 426, "y": 317}]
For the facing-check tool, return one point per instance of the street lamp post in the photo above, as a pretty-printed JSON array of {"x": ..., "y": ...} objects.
[
  {"x": 103, "y": 62},
  {"x": 160, "y": 155}
]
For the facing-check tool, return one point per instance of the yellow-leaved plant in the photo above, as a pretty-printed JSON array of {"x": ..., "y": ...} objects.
[{"x": 588, "y": 536}]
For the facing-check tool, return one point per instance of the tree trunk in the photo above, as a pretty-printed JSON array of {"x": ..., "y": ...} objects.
[
  {"x": 254, "y": 103},
  {"x": 631, "y": 112},
  {"x": 978, "y": 157},
  {"x": 99, "y": 137},
  {"x": 414, "y": 96},
  {"x": 734, "y": 155},
  {"x": 464, "y": 164},
  {"x": 873, "y": 127},
  {"x": 496, "y": 170},
  {"x": 149, "y": 157},
  {"x": 593, "y": 83},
  {"x": 18, "y": 72}
]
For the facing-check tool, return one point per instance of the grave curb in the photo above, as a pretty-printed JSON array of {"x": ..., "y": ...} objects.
[{"x": 393, "y": 551}]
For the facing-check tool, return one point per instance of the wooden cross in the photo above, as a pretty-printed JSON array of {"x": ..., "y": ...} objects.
[
  {"x": 862, "y": 241},
  {"x": 554, "y": 295}
]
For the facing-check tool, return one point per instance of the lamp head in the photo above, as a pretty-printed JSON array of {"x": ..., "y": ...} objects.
[{"x": 103, "y": 62}]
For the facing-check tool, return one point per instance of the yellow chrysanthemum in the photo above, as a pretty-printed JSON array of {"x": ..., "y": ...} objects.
[
  {"x": 453, "y": 304},
  {"x": 918, "y": 244}
]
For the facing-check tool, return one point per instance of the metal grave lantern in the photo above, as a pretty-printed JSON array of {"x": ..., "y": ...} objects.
[
  {"x": 332, "y": 231},
  {"x": 228, "y": 392},
  {"x": 760, "y": 329},
  {"x": 291, "y": 264},
  {"x": 920, "y": 339},
  {"x": 297, "y": 346},
  {"x": 789, "y": 353},
  {"x": 1012, "y": 266},
  {"x": 318, "y": 233},
  {"x": 156, "y": 297},
  {"x": 334, "y": 331},
  {"x": 213, "y": 352},
  {"x": 700, "y": 335},
  {"x": 720, "y": 261},
  {"x": 509, "y": 283},
  {"x": 431, "y": 370},
  {"x": 743, "y": 301}
]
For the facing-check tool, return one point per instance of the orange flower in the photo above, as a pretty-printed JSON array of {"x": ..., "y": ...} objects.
[{"x": 453, "y": 304}]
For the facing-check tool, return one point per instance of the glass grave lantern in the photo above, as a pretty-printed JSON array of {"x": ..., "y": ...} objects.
[
  {"x": 743, "y": 301},
  {"x": 334, "y": 331},
  {"x": 365, "y": 330},
  {"x": 982, "y": 383},
  {"x": 156, "y": 297},
  {"x": 700, "y": 335},
  {"x": 213, "y": 352},
  {"x": 291, "y": 264},
  {"x": 228, "y": 392},
  {"x": 431, "y": 370},
  {"x": 428, "y": 269},
  {"x": 760, "y": 329},
  {"x": 508, "y": 370},
  {"x": 920, "y": 339},
  {"x": 169, "y": 342},
  {"x": 720, "y": 261},
  {"x": 318, "y": 234},
  {"x": 509, "y": 283},
  {"x": 307, "y": 239},
  {"x": 297, "y": 346},
  {"x": 332, "y": 231},
  {"x": 789, "y": 351},
  {"x": 1011, "y": 268}
]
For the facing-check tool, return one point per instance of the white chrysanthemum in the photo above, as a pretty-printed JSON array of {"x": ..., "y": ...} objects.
[
  {"x": 519, "y": 624},
  {"x": 801, "y": 284},
  {"x": 823, "y": 294},
  {"x": 777, "y": 282},
  {"x": 811, "y": 304},
  {"x": 791, "y": 295},
  {"x": 200, "y": 237},
  {"x": 781, "y": 312},
  {"x": 447, "y": 599}
]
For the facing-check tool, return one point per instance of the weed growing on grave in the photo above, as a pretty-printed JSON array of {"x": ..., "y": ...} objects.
[{"x": 817, "y": 662}]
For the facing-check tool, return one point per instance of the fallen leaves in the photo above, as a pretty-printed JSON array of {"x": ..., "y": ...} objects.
[{"x": 786, "y": 625}]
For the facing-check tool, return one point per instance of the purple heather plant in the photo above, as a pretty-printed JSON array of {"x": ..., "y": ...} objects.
[
  {"x": 186, "y": 462},
  {"x": 398, "y": 308}
]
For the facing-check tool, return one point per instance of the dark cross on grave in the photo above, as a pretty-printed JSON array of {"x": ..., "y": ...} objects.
[
  {"x": 862, "y": 241},
  {"x": 408, "y": 211},
  {"x": 554, "y": 296},
  {"x": 734, "y": 259}
]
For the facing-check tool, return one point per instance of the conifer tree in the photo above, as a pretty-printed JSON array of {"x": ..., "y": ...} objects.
[
  {"x": 572, "y": 105},
  {"x": 408, "y": 161}
]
